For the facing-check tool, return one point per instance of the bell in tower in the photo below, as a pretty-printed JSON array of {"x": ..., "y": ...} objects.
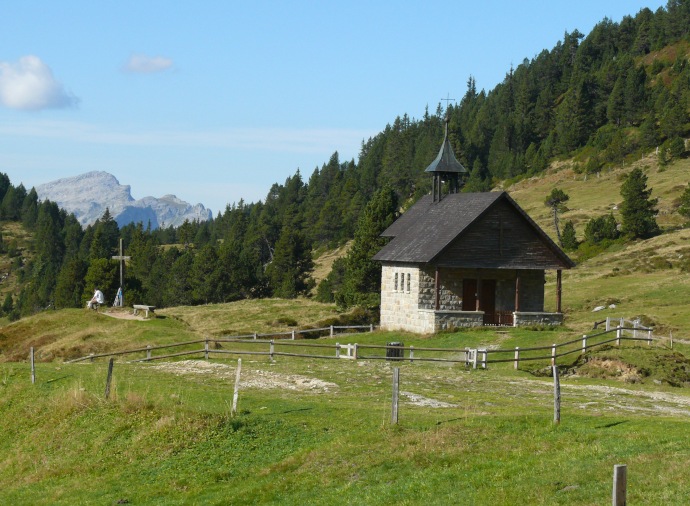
[{"x": 446, "y": 168}]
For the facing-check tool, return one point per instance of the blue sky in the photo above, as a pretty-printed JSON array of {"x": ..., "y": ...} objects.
[{"x": 214, "y": 101}]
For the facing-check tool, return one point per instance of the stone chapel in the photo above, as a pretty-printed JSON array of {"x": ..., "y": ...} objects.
[{"x": 466, "y": 259}]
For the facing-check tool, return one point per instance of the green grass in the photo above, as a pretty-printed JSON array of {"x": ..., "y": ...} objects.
[
  {"x": 169, "y": 439},
  {"x": 165, "y": 438}
]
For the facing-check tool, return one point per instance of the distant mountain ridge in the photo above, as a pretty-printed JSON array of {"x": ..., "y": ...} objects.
[{"x": 88, "y": 195}]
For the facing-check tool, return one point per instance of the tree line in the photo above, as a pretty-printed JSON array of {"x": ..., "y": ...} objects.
[{"x": 600, "y": 99}]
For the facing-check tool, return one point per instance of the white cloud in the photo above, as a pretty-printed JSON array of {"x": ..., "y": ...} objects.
[
  {"x": 29, "y": 84},
  {"x": 143, "y": 64}
]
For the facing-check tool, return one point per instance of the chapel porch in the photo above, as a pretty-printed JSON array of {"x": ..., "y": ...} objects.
[{"x": 487, "y": 297}]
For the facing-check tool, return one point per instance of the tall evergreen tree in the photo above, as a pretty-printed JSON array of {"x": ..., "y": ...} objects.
[
  {"x": 570, "y": 242},
  {"x": 638, "y": 210},
  {"x": 70, "y": 284},
  {"x": 684, "y": 209},
  {"x": 288, "y": 273},
  {"x": 556, "y": 201},
  {"x": 102, "y": 274},
  {"x": 362, "y": 280}
]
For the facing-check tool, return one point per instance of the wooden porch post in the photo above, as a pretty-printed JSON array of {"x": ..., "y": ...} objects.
[
  {"x": 517, "y": 291},
  {"x": 479, "y": 293},
  {"x": 437, "y": 289},
  {"x": 558, "y": 291}
]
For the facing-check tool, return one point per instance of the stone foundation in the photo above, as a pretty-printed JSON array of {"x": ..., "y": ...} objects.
[
  {"x": 524, "y": 319},
  {"x": 444, "y": 320}
]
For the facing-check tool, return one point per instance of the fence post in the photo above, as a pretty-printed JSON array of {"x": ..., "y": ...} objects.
[
  {"x": 371, "y": 327},
  {"x": 553, "y": 355},
  {"x": 608, "y": 324},
  {"x": 483, "y": 359},
  {"x": 584, "y": 342},
  {"x": 619, "y": 332},
  {"x": 236, "y": 393},
  {"x": 411, "y": 354},
  {"x": 396, "y": 387},
  {"x": 649, "y": 337},
  {"x": 670, "y": 335},
  {"x": 620, "y": 484},
  {"x": 293, "y": 335},
  {"x": 255, "y": 335},
  {"x": 635, "y": 329},
  {"x": 517, "y": 358},
  {"x": 331, "y": 330},
  {"x": 474, "y": 358},
  {"x": 206, "y": 349},
  {"x": 356, "y": 351},
  {"x": 148, "y": 352},
  {"x": 109, "y": 378},
  {"x": 556, "y": 396},
  {"x": 33, "y": 367},
  {"x": 337, "y": 350},
  {"x": 91, "y": 356},
  {"x": 270, "y": 350}
]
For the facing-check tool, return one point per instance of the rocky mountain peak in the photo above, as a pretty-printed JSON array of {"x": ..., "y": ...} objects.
[{"x": 88, "y": 195}]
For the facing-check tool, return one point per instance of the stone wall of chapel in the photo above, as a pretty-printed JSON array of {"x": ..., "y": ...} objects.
[{"x": 400, "y": 287}]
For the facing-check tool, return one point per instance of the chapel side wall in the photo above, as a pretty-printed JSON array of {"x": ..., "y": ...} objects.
[{"x": 400, "y": 305}]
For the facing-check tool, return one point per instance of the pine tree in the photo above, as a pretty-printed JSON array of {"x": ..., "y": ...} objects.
[
  {"x": 8, "y": 304},
  {"x": 569, "y": 238},
  {"x": 556, "y": 201},
  {"x": 102, "y": 274},
  {"x": 362, "y": 280},
  {"x": 684, "y": 209},
  {"x": 288, "y": 273},
  {"x": 638, "y": 210},
  {"x": 206, "y": 276},
  {"x": 69, "y": 288}
]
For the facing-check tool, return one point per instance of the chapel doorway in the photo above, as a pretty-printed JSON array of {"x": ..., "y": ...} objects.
[
  {"x": 487, "y": 301},
  {"x": 483, "y": 291}
]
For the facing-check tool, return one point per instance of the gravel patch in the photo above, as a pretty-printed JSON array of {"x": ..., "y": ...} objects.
[{"x": 249, "y": 378}]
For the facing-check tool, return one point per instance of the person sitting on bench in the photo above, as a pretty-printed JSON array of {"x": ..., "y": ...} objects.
[{"x": 96, "y": 300}]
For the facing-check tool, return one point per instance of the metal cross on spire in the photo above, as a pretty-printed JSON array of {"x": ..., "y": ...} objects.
[
  {"x": 448, "y": 99},
  {"x": 120, "y": 298}
]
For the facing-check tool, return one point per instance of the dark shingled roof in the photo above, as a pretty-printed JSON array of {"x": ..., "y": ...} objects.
[{"x": 422, "y": 233}]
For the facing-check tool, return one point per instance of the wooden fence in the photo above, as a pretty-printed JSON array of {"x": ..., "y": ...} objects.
[
  {"x": 256, "y": 344},
  {"x": 248, "y": 344}
]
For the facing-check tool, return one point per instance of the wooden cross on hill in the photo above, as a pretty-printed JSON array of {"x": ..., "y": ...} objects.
[{"x": 120, "y": 299}]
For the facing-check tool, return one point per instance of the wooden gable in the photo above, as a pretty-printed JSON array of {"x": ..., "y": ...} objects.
[{"x": 502, "y": 238}]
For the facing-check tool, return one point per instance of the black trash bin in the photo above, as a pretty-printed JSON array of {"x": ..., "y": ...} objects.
[{"x": 395, "y": 353}]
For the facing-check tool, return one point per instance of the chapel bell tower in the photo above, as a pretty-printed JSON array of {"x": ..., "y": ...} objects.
[{"x": 446, "y": 168}]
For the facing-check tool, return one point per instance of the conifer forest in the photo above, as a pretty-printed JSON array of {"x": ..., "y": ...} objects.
[{"x": 597, "y": 99}]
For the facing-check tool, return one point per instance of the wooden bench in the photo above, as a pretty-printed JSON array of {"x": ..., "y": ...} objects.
[{"x": 142, "y": 307}]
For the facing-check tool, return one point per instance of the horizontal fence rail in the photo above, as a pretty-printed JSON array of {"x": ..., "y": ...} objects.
[{"x": 278, "y": 345}]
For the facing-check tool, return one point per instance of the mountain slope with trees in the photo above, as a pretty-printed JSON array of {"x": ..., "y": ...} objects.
[{"x": 601, "y": 100}]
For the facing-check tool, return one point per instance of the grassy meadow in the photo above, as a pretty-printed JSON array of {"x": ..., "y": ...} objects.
[{"x": 314, "y": 431}]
